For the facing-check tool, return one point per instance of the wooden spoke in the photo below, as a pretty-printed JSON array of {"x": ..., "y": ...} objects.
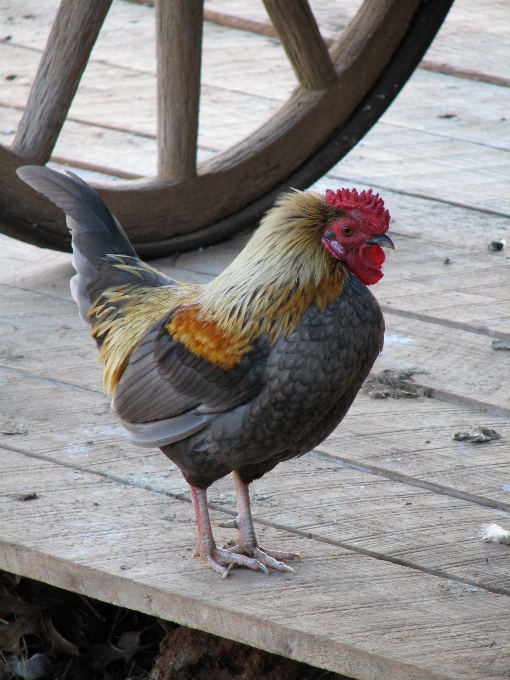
[
  {"x": 305, "y": 48},
  {"x": 179, "y": 42},
  {"x": 69, "y": 45}
]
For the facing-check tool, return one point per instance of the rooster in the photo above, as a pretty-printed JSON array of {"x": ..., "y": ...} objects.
[{"x": 252, "y": 369}]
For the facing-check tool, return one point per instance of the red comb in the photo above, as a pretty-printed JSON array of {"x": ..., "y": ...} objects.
[{"x": 366, "y": 202}]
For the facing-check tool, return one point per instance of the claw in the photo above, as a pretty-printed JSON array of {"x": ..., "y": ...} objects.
[
  {"x": 211, "y": 562},
  {"x": 265, "y": 557},
  {"x": 246, "y": 553},
  {"x": 227, "y": 570}
]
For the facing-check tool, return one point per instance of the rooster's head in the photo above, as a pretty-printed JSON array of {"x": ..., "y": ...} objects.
[{"x": 355, "y": 237}]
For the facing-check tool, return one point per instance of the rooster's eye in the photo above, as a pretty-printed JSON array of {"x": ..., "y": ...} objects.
[{"x": 346, "y": 231}]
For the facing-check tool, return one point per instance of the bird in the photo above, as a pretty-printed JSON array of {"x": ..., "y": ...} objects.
[{"x": 254, "y": 368}]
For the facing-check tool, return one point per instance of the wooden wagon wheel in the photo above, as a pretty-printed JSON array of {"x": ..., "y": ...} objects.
[{"x": 342, "y": 93}]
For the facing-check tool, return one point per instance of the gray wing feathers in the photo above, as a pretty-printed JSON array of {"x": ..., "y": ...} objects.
[
  {"x": 79, "y": 293},
  {"x": 163, "y": 432},
  {"x": 142, "y": 393},
  {"x": 178, "y": 390}
]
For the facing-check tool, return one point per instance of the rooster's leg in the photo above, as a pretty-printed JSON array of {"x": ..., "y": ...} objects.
[
  {"x": 247, "y": 541},
  {"x": 219, "y": 560}
]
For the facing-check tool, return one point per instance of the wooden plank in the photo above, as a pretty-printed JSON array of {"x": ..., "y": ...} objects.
[
  {"x": 178, "y": 49},
  {"x": 360, "y": 617},
  {"x": 438, "y": 168},
  {"x": 264, "y": 28},
  {"x": 53, "y": 324},
  {"x": 472, "y": 37},
  {"x": 63, "y": 62},
  {"x": 392, "y": 521},
  {"x": 303, "y": 44},
  {"x": 233, "y": 59},
  {"x": 457, "y": 363},
  {"x": 426, "y": 450},
  {"x": 28, "y": 265},
  {"x": 444, "y": 106},
  {"x": 475, "y": 37},
  {"x": 421, "y": 528}
]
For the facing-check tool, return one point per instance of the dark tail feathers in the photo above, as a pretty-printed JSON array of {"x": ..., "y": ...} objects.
[{"x": 94, "y": 230}]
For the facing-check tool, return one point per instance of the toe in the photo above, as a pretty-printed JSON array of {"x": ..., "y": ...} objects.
[
  {"x": 228, "y": 557},
  {"x": 215, "y": 566},
  {"x": 229, "y": 524},
  {"x": 278, "y": 555},
  {"x": 269, "y": 561},
  {"x": 240, "y": 550}
]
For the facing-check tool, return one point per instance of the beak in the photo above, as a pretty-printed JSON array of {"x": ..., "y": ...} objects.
[{"x": 383, "y": 241}]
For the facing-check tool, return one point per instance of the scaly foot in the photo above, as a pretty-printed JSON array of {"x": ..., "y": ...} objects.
[
  {"x": 221, "y": 561},
  {"x": 267, "y": 558},
  {"x": 247, "y": 541}
]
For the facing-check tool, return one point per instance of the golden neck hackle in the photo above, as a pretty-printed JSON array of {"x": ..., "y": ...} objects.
[{"x": 283, "y": 270}]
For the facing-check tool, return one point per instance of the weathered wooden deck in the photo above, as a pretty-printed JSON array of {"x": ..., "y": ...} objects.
[{"x": 395, "y": 582}]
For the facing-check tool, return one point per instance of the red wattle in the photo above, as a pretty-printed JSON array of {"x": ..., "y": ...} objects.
[
  {"x": 366, "y": 263},
  {"x": 369, "y": 277},
  {"x": 376, "y": 255}
]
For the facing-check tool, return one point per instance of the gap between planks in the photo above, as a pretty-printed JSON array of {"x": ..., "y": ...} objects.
[
  {"x": 54, "y": 381},
  {"x": 440, "y": 573},
  {"x": 395, "y": 476}
]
